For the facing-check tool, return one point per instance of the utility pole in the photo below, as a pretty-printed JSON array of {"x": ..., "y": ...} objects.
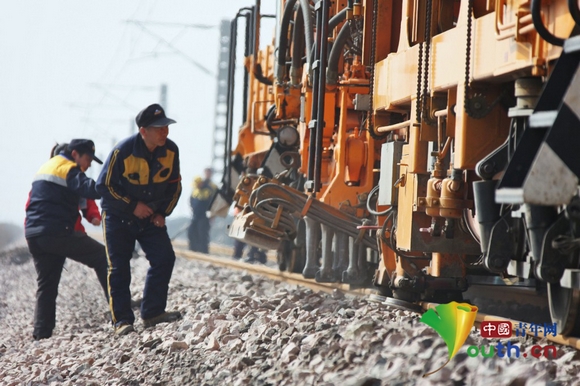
[{"x": 163, "y": 96}]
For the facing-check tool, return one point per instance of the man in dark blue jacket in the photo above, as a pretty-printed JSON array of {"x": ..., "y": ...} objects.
[
  {"x": 140, "y": 185},
  {"x": 51, "y": 214}
]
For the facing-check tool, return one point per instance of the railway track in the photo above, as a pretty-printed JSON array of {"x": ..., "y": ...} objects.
[{"x": 522, "y": 295}]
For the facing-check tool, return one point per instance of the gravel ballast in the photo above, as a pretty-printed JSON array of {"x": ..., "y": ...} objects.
[{"x": 241, "y": 329}]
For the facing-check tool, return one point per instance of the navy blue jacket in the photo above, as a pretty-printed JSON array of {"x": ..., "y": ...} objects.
[
  {"x": 132, "y": 173},
  {"x": 53, "y": 206}
]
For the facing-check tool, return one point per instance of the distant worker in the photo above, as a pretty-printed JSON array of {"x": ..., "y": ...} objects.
[
  {"x": 201, "y": 196},
  {"x": 51, "y": 214},
  {"x": 141, "y": 184}
]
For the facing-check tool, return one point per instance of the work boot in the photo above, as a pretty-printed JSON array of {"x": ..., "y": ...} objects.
[
  {"x": 39, "y": 337},
  {"x": 251, "y": 256},
  {"x": 166, "y": 317},
  {"x": 261, "y": 257},
  {"x": 255, "y": 255},
  {"x": 123, "y": 329}
]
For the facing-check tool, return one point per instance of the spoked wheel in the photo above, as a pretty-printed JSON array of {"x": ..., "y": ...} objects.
[
  {"x": 565, "y": 301},
  {"x": 565, "y": 309},
  {"x": 291, "y": 255}
]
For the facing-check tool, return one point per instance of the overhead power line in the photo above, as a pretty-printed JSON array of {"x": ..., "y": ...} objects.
[
  {"x": 169, "y": 24},
  {"x": 172, "y": 47},
  {"x": 106, "y": 92},
  {"x": 123, "y": 86}
]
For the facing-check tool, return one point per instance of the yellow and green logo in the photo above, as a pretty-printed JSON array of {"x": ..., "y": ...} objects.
[{"x": 453, "y": 322}]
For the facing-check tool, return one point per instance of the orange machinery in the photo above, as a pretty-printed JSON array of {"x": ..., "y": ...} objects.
[{"x": 416, "y": 145}]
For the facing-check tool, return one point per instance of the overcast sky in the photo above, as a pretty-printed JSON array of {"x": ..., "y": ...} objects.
[{"x": 78, "y": 69}]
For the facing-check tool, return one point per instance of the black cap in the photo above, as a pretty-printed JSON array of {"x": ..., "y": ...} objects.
[
  {"x": 153, "y": 116},
  {"x": 84, "y": 146}
]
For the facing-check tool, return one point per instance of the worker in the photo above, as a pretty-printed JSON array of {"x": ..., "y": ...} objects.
[
  {"x": 202, "y": 193},
  {"x": 140, "y": 185},
  {"x": 51, "y": 213},
  {"x": 87, "y": 206}
]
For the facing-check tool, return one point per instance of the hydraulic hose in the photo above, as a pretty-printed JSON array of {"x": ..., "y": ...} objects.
[
  {"x": 308, "y": 29},
  {"x": 334, "y": 21},
  {"x": 337, "y": 19},
  {"x": 297, "y": 47},
  {"x": 269, "y": 118},
  {"x": 265, "y": 200},
  {"x": 259, "y": 75},
  {"x": 540, "y": 27},
  {"x": 283, "y": 40},
  {"x": 374, "y": 191},
  {"x": 336, "y": 53},
  {"x": 574, "y": 11}
]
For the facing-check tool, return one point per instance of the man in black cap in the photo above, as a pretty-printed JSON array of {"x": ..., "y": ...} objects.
[
  {"x": 51, "y": 214},
  {"x": 140, "y": 184}
]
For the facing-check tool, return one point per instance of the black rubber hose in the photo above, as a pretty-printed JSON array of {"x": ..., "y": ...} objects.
[
  {"x": 334, "y": 21},
  {"x": 336, "y": 53},
  {"x": 369, "y": 198},
  {"x": 269, "y": 118},
  {"x": 283, "y": 40},
  {"x": 337, "y": 19},
  {"x": 259, "y": 75},
  {"x": 308, "y": 29},
  {"x": 574, "y": 10},
  {"x": 297, "y": 47},
  {"x": 540, "y": 27}
]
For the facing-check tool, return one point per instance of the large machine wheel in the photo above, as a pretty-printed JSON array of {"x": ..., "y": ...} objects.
[
  {"x": 291, "y": 255},
  {"x": 564, "y": 302},
  {"x": 565, "y": 308}
]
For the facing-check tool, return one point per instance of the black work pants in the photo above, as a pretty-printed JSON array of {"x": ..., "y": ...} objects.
[
  {"x": 120, "y": 237},
  {"x": 198, "y": 234},
  {"x": 49, "y": 254}
]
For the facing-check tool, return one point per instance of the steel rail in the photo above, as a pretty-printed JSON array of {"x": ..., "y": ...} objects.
[
  {"x": 298, "y": 279},
  {"x": 273, "y": 273}
]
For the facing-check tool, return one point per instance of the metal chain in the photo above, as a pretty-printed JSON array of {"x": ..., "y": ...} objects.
[
  {"x": 466, "y": 106},
  {"x": 419, "y": 80},
  {"x": 482, "y": 110},
  {"x": 371, "y": 115},
  {"x": 424, "y": 114}
]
